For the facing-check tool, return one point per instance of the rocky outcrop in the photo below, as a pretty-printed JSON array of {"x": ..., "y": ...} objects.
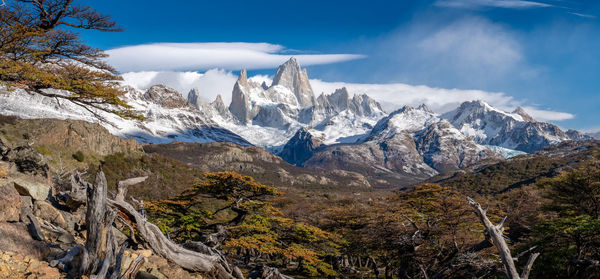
[
  {"x": 16, "y": 265},
  {"x": 28, "y": 160},
  {"x": 165, "y": 96},
  {"x": 10, "y": 202},
  {"x": 299, "y": 148},
  {"x": 30, "y": 186},
  {"x": 291, "y": 76}
]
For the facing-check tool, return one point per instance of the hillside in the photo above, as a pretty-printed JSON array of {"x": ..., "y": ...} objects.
[
  {"x": 258, "y": 163},
  {"x": 523, "y": 170}
]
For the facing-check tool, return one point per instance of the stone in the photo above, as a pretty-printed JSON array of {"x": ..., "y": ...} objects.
[
  {"x": 29, "y": 186},
  {"x": 26, "y": 208},
  {"x": 4, "y": 169},
  {"x": 28, "y": 160},
  {"x": 10, "y": 203},
  {"x": 46, "y": 211}
]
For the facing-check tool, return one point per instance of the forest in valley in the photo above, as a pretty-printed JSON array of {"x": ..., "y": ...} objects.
[{"x": 429, "y": 231}]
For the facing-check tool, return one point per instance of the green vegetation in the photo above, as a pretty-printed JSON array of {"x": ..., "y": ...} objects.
[
  {"x": 254, "y": 231},
  {"x": 428, "y": 230}
]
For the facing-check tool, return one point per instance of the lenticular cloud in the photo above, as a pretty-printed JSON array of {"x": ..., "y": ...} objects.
[{"x": 204, "y": 56}]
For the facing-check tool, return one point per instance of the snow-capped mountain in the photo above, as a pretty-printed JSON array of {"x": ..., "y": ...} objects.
[
  {"x": 269, "y": 116},
  {"x": 491, "y": 126},
  {"x": 168, "y": 116},
  {"x": 331, "y": 131},
  {"x": 410, "y": 144}
]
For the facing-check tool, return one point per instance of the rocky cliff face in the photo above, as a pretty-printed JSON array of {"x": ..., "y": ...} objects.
[
  {"x": 165, "y": 96},
  {"x": 491, "y": 126},
  {"x": 299, "y": 148},
  {"x": 290, "y": 75}
]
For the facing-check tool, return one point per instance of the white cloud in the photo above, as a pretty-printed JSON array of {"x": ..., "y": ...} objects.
[
  {"x": 473, "y": 46},
  {"x": 392, "y": 96},
  {"x": 508, "y": 4},
  {"x": 547, "y": 115},
  {"x": 205, "y": 56},
  {"x": 210, "y": 84}
]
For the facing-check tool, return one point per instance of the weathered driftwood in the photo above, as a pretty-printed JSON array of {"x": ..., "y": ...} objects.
[{"x": 495, "y": 232}]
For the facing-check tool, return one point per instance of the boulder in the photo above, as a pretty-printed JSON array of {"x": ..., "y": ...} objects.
[
  {"x": 46, "y": 211},
  {"x": 10, "y": 203},
  {"x": 29, "y": 186}
]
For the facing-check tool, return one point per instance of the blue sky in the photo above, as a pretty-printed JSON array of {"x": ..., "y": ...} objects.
[{"x": 543, "y": 55}]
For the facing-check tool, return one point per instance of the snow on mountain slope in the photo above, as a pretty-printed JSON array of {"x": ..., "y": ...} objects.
[
  {"x": 491, "y": 126},
  {"x": 409, "y": 145},
  {"x": 168, "y": 116},
  {"x": 507, "y": 153},
  {"x": 269, "y": 116}
]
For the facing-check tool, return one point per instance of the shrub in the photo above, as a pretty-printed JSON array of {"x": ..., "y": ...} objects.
[{"x": 79, "y": 156}]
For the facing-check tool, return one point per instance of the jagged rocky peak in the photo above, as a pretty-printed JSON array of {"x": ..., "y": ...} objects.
[
  {"x": 300, "y": 147},
  {"x": 243, "y": 78},
  {"x": 195, "y": 99},
  {"x": 165, "y": 96},
  {"x": 240, "y": 99},
  {"x": 424, "y": 107},
  {"x": 264, "y": 85},
  {"x": 520, "y": 111},
  {"x": 340, "y": 99},
  {"x": 291, "y": 76},
  {"x": 218, "y": 104}
]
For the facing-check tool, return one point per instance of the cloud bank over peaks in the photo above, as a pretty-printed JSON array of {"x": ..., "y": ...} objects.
[
  {"x": 391, "y": 95},
  {"x": 205, "y": 56}
]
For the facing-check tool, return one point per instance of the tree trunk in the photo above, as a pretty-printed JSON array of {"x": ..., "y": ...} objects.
[{"x": 495, "y": 233}]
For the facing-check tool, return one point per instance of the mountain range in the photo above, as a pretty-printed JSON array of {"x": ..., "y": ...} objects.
[{"x": 334, "y": 131}]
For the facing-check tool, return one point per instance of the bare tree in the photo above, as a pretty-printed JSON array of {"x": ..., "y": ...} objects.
[
  {"x": 101, "y": 251},
  {"x": 495, "y": 232}
]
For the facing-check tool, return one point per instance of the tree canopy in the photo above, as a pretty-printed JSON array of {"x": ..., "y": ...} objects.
[{"x": 40, "y": 50}]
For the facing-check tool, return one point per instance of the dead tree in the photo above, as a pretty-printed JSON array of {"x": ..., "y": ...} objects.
[
  {"x": 101, "y": 253},
  {"x": 495, "y": 232}
]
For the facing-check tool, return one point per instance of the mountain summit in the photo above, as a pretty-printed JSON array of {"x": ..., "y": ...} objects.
[{"x": 291, "y": 76}]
